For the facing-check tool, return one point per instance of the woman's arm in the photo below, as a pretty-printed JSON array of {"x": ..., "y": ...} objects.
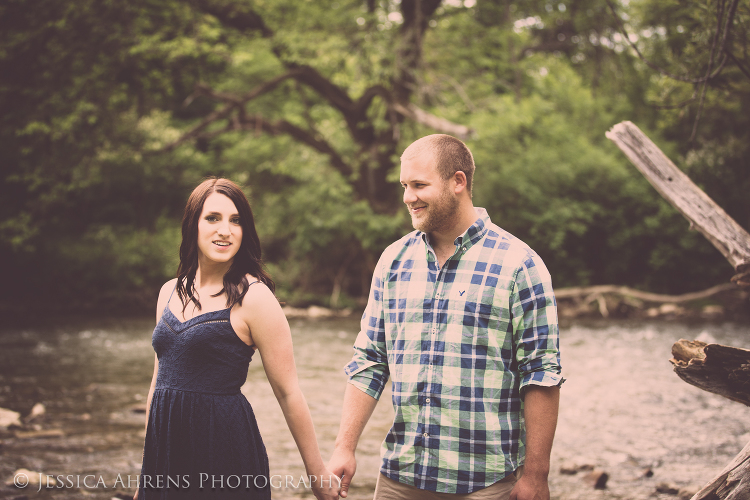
[{"x": 269, "y": 332}]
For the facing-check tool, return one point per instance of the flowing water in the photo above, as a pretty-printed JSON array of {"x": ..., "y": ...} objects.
[{"x": 623, "y": 409}]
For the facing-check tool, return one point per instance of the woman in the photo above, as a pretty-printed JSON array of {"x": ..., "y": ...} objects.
[{"x": 202, "y": 440}]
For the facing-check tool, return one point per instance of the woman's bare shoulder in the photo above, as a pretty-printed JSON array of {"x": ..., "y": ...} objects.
[
  {"x": 164, "y": 294},
  {"x": 259, "y": 298}
]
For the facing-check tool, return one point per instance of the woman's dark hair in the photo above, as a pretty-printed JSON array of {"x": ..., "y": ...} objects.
[{"x": 248, "y": 259}]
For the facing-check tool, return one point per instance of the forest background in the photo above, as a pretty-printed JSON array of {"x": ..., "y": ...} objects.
[{"x": 111, "y": 112}]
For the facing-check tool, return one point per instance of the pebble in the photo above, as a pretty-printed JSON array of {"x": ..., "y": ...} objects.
[
  {"x": 669, "y": 488},
  {"x": 9, "y": 418},
  {"x": 597, "y": 478},
  {"x": 25, "y": 477},
  {"x": 37, "y": 410}
]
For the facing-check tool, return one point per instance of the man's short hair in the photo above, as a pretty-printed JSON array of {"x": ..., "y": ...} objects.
[{"x": 451, "y": 155}]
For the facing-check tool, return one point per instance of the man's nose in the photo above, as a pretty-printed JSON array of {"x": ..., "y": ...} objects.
[{"x": 409, "y": 196}]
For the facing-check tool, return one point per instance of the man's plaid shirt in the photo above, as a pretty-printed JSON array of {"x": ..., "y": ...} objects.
[{"x": 460, "y": 343}]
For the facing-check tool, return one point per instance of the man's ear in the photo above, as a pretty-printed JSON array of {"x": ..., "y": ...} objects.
[{"x": 461, "y": 185}]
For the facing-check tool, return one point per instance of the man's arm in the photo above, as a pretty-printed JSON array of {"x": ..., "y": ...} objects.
[
  {"x": 358, "y": 408},
  {"x": 540, "y": 412},
  {"x": 536, "y": 336},
  {"x": 368, "y": 373}
]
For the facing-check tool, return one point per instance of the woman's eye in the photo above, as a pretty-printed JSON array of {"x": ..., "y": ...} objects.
[
  {"x": 211, "y": 218},
  {"x": 235, "y": 220}
]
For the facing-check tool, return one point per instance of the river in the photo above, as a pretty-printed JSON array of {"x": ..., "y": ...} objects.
[{"x": 622, "y": 410}]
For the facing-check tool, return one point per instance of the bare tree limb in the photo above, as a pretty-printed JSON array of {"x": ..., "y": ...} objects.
[
  {"x": 721, "y": 486},
  {"x": 598, "y": 290},
  {"x": 278, "y": 127},
  {"x": 677, "y": 188},
  {"x": 440, "y": 124},
  {"x": 737, "y": 63},
  {"x": 234, "y": 102}
]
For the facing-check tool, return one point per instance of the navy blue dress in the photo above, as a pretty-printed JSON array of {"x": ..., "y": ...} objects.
[{"x": 202, "y": 439}]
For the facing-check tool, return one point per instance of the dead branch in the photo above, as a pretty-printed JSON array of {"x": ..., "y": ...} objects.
[
  {"x": 598, "y": 290},
  {"x": 716, "y": 368},
  {"x": 677, "y": 188},
  {"x": 434, "y": 122},
  {"x": 732, "y": 483}
]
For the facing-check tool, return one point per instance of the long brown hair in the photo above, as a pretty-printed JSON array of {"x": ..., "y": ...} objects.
[{"x": 246, "y": 261}]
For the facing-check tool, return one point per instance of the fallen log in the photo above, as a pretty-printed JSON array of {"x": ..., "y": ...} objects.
[
  {"x": 572, "y": 292},
  {"x": 716, "y": 368}
]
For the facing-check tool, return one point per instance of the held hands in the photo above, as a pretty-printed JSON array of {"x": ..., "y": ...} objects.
[
  {"x": 325, "y": 485},
  {"x": 344, "y": 464}
]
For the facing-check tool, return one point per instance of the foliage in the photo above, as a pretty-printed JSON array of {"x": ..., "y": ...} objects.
[{"x": 111, "y": 113}]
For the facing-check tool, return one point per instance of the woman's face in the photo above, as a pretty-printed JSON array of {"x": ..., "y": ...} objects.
[{"x": 219, "y": 229}]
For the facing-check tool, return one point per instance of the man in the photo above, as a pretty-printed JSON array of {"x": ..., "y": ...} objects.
[{"x": 462, "y": 317}]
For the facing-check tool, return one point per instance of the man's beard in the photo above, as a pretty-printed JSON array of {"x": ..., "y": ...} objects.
[{"x": 439, "y": 214}]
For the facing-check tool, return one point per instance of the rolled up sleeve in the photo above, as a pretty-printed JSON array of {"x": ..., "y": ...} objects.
[
  {"x": 535, "y": 326},
  {"x": 368, "y": 369}
]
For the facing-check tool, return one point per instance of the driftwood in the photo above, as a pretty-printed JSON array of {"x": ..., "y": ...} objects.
[
  {"x": 583, "y": 296},
  {"x": 733, "y": 483},
  {"x": 677, "y": 188},
  {"x": 715, "y": 368}
]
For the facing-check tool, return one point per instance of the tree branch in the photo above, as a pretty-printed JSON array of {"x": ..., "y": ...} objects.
[
  {"x": 313, "y": 140},
  {"x": 568, "y": 293},
  {"x": 440, "y": 124},
  {"x": 658, "y": 68},
  {"x": 233, "y": 101},
  {"x": 234, "y": 16}
]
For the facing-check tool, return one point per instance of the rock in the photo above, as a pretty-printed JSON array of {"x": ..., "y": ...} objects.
[
  {"x": 37, "y": 410},
  {"x": 9, "y": 418},
  {"x": 668, "y": 488},
  {"x": 597, "y": 478},
  {"x": 569, "y": 469},
  {"x": 647, "y": 472},
  {"x": 45, "y": 433},
  {"x": 319, "y": 312},
  {"x": 712, "y": 311},
  {"x": 25, "y": 477},
  {"x": 572, "y": 468},
  {"x": 669, "y": 308},
  {"x": 138, "y": 408}
]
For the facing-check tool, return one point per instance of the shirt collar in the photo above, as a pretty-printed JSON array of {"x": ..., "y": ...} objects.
[{"x": 472, "y": 235}]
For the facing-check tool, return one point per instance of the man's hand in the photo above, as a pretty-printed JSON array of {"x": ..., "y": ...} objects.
[
  {"x": 325, "y": 485},
  {"x": 530, "y": 487},
  {"x": 344, "y": 464}
]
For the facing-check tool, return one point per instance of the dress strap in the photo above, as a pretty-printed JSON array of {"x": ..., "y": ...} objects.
[{"x": 170, "y": 295}]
